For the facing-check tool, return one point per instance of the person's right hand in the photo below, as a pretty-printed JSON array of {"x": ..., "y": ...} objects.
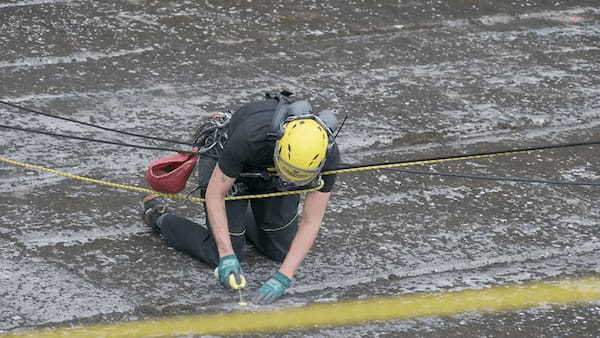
[{"x": 230, "y": 273}]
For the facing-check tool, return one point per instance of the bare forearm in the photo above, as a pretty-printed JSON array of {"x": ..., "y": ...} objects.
[
  {"x": 217, "y": 217},
  {"x": 215, "y": 209},
  {"x": 308, "y": 229},
  {"x": 301, "y": 245}
]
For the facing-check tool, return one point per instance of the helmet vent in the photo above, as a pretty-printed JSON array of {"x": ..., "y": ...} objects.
[{"x": 313, "y": 160}]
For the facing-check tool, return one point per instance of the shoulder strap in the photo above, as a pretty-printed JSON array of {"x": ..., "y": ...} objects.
[{"x": 281, "y": 113}]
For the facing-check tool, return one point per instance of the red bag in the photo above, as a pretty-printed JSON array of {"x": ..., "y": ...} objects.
[{"x": 170, "y": 173}]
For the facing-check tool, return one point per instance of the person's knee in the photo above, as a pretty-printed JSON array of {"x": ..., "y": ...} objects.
[
  {"x": 238, "y": 242},
  {"x": 275, "y": 242},
  {"x": 278, "y": 257},
  {"x": 274, "y": 227},
  {"x": 277, "y": 250},
  {"x": 160, "y": 221}
]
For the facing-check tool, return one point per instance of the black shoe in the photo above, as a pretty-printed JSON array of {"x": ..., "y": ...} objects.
[{"x": 153, "y": 207}]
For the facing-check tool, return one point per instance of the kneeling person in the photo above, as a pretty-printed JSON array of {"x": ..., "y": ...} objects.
[{"x": 258, "y": 159}]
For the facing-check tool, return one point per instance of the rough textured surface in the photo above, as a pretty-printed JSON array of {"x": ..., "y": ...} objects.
[{"x": 418, "y": 79}]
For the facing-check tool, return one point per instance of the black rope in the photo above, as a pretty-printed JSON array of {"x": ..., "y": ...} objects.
[
  {"x": 92, "y": 140},
  {"x": 495, "y": 178},
  {"x": 92, "y": 125},
  {"x": 341, "y": 126},
  {"x": 488, "y": 153}
]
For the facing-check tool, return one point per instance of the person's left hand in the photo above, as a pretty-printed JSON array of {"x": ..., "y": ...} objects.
[{"x": 272, "y": 289}]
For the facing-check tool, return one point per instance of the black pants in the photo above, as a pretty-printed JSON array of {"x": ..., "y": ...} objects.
[{"x": 270, "y": 224}]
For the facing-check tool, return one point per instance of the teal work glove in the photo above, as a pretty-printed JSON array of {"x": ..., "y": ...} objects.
[
  {"x": 230, "y": 274},
  {"x": 272, "y": 289}
]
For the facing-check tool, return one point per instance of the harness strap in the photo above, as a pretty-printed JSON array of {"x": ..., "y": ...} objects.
[{"x": 281, "y": 113}]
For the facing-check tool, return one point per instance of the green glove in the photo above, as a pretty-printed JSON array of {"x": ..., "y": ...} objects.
[
  {"x": 272, "y": 289},
  {"x": 230, "y": 274}
]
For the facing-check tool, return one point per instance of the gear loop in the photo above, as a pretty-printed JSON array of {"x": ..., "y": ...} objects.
[{"x": 213, "y": 134}]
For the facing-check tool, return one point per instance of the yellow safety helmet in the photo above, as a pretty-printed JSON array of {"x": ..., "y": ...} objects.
[{"x": 301, "y": 150}]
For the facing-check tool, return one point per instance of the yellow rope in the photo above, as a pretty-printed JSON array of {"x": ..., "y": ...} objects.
[
  {"x": 274, "y": 194},
  {"x": 423, "y": 162},
  {"x": 150, "y": 191}
]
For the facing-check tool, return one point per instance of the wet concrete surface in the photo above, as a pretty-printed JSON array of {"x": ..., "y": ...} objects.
[
  {"x": 418, "y": 79},
  {"x": 546, "y": 321}
]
